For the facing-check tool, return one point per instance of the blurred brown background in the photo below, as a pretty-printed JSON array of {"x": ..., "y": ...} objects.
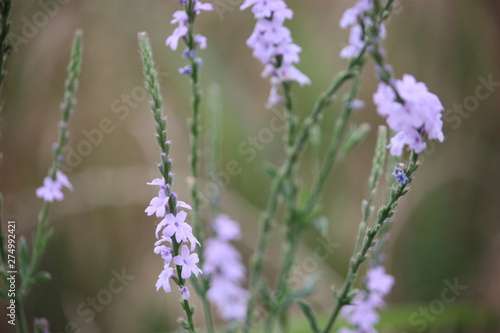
[{"x": 447, "y": 228}]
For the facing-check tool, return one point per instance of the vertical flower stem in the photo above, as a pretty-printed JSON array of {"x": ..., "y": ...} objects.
[
  {"x": 152, "y": 85},
  {"x": 267, "y": 216},
  {"x": 21, "y": 326},
  {"x": 291, "y": 232},
  {"x": 194, "y": 127},
  {"x": 67, "y": 108},
  {"x": 294, "y": 228},
  {"x": 376, "y": 173},
  {"x": 335, "y": 143},
  {"x": 345, "y": 296}
]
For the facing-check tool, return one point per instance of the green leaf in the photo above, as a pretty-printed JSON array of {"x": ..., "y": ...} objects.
[
  {"x": 309, "y": 313},
  {"x": 40, "y": 277},
  {"x": 355, "y": 136},
  {"x": 23, "y": 258},
  {"x": 270, "y": 169}
]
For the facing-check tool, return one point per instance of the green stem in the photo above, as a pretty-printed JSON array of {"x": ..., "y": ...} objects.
[
  {"x": 195, "y": 154},
  {"x": 335, "y": 145},
  {"x": 283, "y": 291},
  {"x": 291, "y": 239},
  {"x": 195, "y": 137},
  {"x": 268, "y": 214},
  {"x": 69, "y": 101},
  {"x": 21, "y": 326},
  {"x": 344, "y": 297},
  {"x": 152, "y": 85},
  {"x": 39, "y": 244}
]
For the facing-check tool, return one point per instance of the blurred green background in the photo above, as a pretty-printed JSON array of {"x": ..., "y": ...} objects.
[{"x": 446, "y": 229}]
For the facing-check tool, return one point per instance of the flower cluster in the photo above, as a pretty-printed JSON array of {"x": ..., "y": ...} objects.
[
  {"x": 362, "y": 314},
  {"x": 272, "y": 44},
  {"x": 418, "y": 114},
  {"x": 223, "y": 265},
  {"x": 358, "y": 20},
  {"x": 173, "y": 226},
  {"x": 182, "y": 19},
  {"x": 52, "y": 188}
]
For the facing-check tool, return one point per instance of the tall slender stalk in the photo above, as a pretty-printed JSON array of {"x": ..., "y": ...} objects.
[
  {"x": 268, "y": 214},
  {"x": 195, "y": 158},
  {"x": 153, "y": 87},
  {"x": 67, "y": 107},
  {"x": 345, "y": 294},
  {"x": 295, "y": 226}
]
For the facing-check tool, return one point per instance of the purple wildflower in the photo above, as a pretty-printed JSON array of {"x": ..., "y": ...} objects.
[
  {"x": 225, "y": 228},
  {"x": 352, "y": 15},
  {"x": 158, "y": 182},
  {"x": 420, "y": 114},
  {"x": 52, "y": 189},
  {"x": 176, "y": 225},
  {"x": 223, "y": 265},
  {"x": 400, "y": 174},
  {"x": 230, "y": 299},
  {"x": 273, "y": 45},
  {"x": 158, "y": 204},
  {"x": 164, "y": 279},
  {"x": 378, "y": 281},
  {"x": 186, "y": 70},
  {"x": 181, "y": 18},
  {"x": 164, "y": 251},
  {"x": 362, "y": 314},
  {"x": 188, "y": 262},
  {"x": 171, "y": 226},
  {"x": 185, "y": 292},
  {"x": 173, "y": 40},
  {"x": 352, "y": 18}
]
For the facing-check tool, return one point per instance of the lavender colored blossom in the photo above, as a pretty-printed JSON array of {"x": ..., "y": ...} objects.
[
  {"x": 358, "y": 19},
  {"x": 273, "y": 45},
  {"x": 184, "y": 292},
  {"x": 229, "y": 298},
  {"x": 186, "y": 70},
  {"x": 400, "y": 174},
  {"x": 176, "y": 225},
  {"x": 173, "y": 40},
  {"x": 181, "y": 18},
  {"x": 63, "y": 180},
  {"x": 419, "y": 115},
  {"x": 225, "y": 228},
  {"x": 223, "y": 265},
  {"x": 352, "y": 15},
  {"x": 378, "y": 281},
  {"x": 188, "y": 262},
  {"x": 52, "y": 188},
  {"x": 164, "y": 279},
  {"x": 158, "y": 182},
  {"x": 172, "y": 227},
  {"x": 158, "y": 204},
  {"x": 164, "y": 251},
  {"x": 362, "y": 314}
]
